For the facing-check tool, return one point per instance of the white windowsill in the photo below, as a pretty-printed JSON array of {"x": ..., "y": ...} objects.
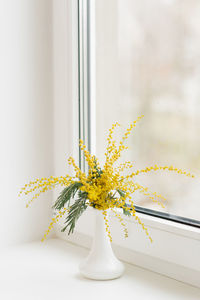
[{"x": 49, "y": 270}]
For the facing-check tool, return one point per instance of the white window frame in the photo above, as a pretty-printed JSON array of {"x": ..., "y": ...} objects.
[{"x": 176, "y": 247}]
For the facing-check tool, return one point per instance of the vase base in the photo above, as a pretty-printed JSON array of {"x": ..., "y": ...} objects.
[{"x": 102, "y": 271}]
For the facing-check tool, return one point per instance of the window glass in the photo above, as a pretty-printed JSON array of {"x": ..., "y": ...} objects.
[{"x": 148, "y": 63}]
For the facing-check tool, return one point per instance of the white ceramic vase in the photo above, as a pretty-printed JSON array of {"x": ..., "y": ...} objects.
[{"x": 101, "y": 263}]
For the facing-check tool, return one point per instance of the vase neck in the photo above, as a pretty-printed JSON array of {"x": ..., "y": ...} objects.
[{"x": 100, "y": 235}]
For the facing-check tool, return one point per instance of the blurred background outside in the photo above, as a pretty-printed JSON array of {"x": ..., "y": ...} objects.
[{"x": 148, "y": 63}]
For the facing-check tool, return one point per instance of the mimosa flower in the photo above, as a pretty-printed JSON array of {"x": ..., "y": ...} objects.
[{"x": 103, "y": 188}]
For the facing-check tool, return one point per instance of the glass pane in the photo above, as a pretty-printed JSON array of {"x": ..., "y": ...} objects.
[{"x": 148, "y": 63}]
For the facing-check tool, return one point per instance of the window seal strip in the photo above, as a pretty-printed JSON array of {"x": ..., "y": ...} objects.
[{"x": 167, "y": 216}]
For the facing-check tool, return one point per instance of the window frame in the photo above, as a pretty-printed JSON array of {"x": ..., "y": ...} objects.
[
  {"x": 87, "y": 99},
  {"x": 165, "y": 255},
  {"x": 87, "y": 122}
]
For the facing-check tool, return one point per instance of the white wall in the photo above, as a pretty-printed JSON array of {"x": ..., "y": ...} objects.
[{"x": 26, "y": 115}]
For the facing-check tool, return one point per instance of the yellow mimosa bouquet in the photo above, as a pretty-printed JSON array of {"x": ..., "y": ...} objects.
[{"x": 103, "y": 187}]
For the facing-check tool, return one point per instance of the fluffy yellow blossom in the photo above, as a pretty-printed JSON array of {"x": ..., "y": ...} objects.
[{"x": 103, "y": 188}]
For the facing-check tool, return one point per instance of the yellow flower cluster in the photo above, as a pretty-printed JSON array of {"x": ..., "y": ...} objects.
[
  {"x": 106, "y": 187},
  {"x": 44, "y": 184},
  {"x": 152, "y": 196},
  {"x": 156, "y": 168},
  {"x": 53, "y": 221},
  {"x": 121, "y": 220},
  {"x": 106, "y": 224}
]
